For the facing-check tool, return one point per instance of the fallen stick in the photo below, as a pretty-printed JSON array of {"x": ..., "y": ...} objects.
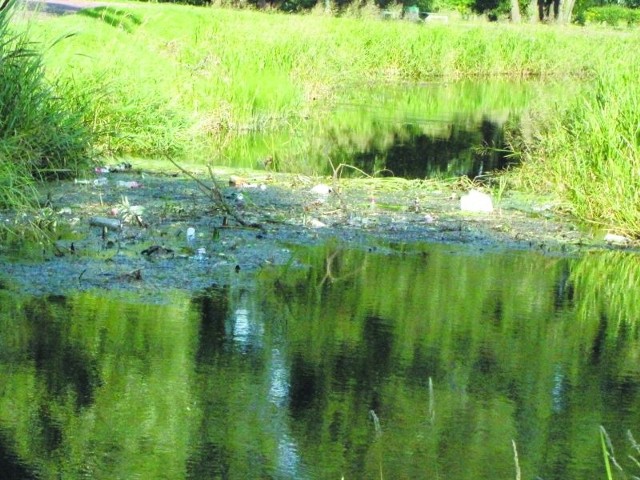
[{"x": 215, "y": 193}]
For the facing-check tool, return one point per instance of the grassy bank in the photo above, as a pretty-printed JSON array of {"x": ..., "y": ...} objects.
[
  {"x": 184, "y": 78},
  {"x": 589, "y": 153},
  {"x": 42, "y": 129},
  {"x": 185, "y": 81}
]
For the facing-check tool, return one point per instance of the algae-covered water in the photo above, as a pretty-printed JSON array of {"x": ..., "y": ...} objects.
[{"x": 432, "y": 362}]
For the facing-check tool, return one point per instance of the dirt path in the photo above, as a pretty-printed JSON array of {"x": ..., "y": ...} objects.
[{"x": 64, "y": 7}]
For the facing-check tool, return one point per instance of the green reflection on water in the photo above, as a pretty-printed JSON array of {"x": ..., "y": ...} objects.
[
  {"x": 414, "y": 131},
  {"x": 97, "y": 387},
  {"x": 287, "y": 378}
]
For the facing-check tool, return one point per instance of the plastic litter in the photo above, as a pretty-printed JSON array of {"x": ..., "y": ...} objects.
[
  {"x": 616, "y": 239},
  {"x": 236, "y": 181},
  {"x": 132, "y": 184},
  {"x": 98, "y": 182},
  {"x": 191, "y": 235},
  {"x": 476, "y": 201},
  {"x": 110, "y": 223},
  {"x": 315, "y": 223},
  {"x": 322, "y": 189}
]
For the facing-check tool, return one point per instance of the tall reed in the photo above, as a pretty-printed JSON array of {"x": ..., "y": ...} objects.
[
  {"x": 590, "y": 152},
  {"x": 42, "y": 131}
]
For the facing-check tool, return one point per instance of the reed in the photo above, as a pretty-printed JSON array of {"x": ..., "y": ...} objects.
[
  {"x": 589, "y": 154},
  {"x": 42, "y": 132}
]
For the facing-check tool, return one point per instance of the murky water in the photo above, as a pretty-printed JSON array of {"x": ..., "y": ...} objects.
[{"x": 429, "y": 363}]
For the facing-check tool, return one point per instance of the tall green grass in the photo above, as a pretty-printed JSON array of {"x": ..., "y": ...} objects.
[
  {"x": 42, "y": 132},
  {"x": 185, "y": 80},
  {"x": 589, "y": 153}
]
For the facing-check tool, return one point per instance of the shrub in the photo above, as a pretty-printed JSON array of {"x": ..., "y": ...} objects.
[{"x": 612, "y": 15}]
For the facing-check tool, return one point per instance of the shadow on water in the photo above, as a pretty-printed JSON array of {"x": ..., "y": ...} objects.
[
  {"x": 470, "y": 150},
  {"x": 11, "y": 466},
  {"x": 65, "y": 368},
  {"x": 412, "y": 131}
]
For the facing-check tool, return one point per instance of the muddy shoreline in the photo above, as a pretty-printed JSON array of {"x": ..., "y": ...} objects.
[{"x": 152, "y": 252}]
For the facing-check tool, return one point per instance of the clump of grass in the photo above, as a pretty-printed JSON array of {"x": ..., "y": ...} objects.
[
  {"x": 42, "y": 120},
  {"x": 42, "y": 129},
  {"x": 610, "y": 458},
  {"x": 589, "y": 154}
]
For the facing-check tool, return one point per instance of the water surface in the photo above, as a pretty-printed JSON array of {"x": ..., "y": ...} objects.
[
  {"x": 428, "y": 363},
  {"x": 411, "y": 131}
]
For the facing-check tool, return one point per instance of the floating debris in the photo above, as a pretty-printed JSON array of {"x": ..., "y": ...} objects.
[
  {"x": 201, "y": 254},
  {"x": 132, "y": 276},
  {"x": 157, "y": 251},
  {"x": 322, "y": 189},
  {"x": 132, "y": 184},
  {"x": 191, "y": 235},
  {"x": 110, "y": 223},
  {"x": 236, "y": 181},
  {"x": 616, "y": 239},
  {"x": 315, "y": 223},
  {"x": 121, "y": 167},
  {"x": 98, "y": 182},
  {"x": 476, "y": 201}
]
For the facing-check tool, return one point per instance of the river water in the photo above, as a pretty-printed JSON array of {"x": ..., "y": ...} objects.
[
  {"x": 431, "y": 362},
  {"x": 410, "y": 131},
  {"x": 401, "y": 362}
]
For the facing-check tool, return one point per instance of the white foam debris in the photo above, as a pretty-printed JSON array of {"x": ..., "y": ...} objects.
[
  {"x": 315, "y": 223},
  {"x": 322, "y": 189},
  {"x": 476, "y": 201},
  {"x": 616, "y": 239}
]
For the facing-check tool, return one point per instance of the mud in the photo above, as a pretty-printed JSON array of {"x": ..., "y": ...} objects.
[{"x": 152, "y": 253}]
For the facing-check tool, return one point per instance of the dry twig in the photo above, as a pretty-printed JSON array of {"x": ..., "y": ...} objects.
[{"x": 215, "y": 193}]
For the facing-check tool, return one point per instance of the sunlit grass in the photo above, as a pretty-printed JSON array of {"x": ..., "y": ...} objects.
[
  {"x": 185, "y": 79},
  {"x": 589, "y": 153},
  {"x": 187, "y": 82}
]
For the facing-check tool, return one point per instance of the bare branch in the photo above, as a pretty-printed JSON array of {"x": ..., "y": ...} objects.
[{"x": 215, "y": 193}]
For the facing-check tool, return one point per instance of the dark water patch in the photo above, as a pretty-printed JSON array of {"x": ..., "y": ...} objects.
[
  {"x": 212, "y": 306},
  {"x": 11, "y": 466},
  {"x": 463, "y": 149},
  {"x": 410, "y": 131},
  {"x": 66, "y": 368}
]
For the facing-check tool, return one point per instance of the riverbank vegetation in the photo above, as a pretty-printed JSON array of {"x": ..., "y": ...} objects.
[
  {"x": 589, "y": 153},
  {"x": 185, "y": 82},
  {"x": 42, "y": 128}
]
